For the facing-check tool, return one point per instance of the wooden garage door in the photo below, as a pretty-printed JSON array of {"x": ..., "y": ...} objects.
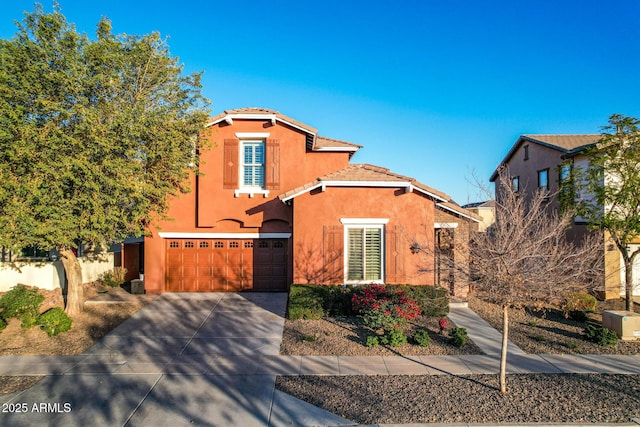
[{"x": 226, "y": 265}]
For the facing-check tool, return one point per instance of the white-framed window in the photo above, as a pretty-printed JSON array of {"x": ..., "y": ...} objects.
[
  {"x": 252, "y": 160},
  {"x": 364, "y": 251}
]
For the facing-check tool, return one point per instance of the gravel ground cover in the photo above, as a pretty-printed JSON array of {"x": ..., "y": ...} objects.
[
  {"x": 87, "y": 328},
  {"x": 584, "y": 398},
  {"x": 345, "y": 336},
  {"x": 550, "y": 331},
  {"x": 576, "y": 398}
]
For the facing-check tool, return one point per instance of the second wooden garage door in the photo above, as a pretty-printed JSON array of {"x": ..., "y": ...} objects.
[{"x": 226, "y": 265}]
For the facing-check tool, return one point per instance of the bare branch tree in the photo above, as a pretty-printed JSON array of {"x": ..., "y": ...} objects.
[{"x": 525, "y": 258}]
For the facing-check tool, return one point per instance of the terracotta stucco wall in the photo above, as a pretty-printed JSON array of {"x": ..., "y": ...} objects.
[{"x": 410, "y": 217}]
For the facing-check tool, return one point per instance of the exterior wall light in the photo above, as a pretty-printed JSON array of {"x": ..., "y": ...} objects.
[{"x": 415, "y": 248}]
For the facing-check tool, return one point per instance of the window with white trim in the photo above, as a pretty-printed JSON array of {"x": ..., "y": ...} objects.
[
  {"x": 252, "y": 164},
  {"x": 364, "y": 253}
]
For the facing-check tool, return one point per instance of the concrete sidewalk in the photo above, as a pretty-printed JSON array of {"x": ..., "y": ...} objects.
[{"x": 212, "y": 359}]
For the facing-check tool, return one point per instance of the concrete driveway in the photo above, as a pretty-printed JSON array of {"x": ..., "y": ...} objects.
[{"x": 185, "y": 359}]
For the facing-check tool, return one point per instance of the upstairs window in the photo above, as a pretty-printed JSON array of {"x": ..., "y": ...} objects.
[
  {"x": 252, "y": 164},
  {"x": 515, "y": 184},
  {"x": 526, "y": 152},
  {"x": 565, "y": 173},
  {"x": 543, "y": 180}
]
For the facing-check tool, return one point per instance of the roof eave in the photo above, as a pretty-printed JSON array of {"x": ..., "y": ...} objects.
[
  {"x": 578, "y": 150},
  {"x": 408, "y": 186},
  {"x": 272, "y": 117},
  {"x": 467, "y": 215}
]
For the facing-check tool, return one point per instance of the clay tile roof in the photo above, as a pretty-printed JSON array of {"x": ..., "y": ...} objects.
[
  {"x": 324, "y": 142},
  {"x": 365, "y": 172},
  {"x": 485, "y": 204}
]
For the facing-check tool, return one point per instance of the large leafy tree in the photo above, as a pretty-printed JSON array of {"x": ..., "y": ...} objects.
[
  {"x": 608, "y": 192},
  {"x": 95, "y": 135}
]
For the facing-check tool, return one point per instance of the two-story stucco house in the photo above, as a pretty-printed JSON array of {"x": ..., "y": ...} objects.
[
  {"x": 541, "y": 163},
  {"x": 275, "y": 204}
]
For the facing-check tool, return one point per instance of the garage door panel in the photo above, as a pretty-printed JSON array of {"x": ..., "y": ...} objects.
[{"x": 226, "y": 264}]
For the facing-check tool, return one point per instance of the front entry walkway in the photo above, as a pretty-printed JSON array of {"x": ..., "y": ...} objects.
[{"x": 212, "y": 359}]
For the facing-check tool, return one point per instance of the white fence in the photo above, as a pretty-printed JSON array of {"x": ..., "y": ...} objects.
[{"x": 50, "y": 275}]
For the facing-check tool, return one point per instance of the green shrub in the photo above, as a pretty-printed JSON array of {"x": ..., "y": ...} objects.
[
  {"x": 54, "y": 321},
  {"x": 336, "y": 300},
  {"x": 3, "y": 323},
  {"x": 114, "y": 277},
  {"x": 315, "y": 301},
  {"x": 309, "y": 337},
  {"x": 22, "y": 303},
  {"x": 533, "y": 324},
  {"x": 600, "y": 335},
  {"x": 422, "y": 338},
  {"x": 372, "y": 341},
  {"x": 305, "y": 302},
  {"x": 394, "y": 337},
  {"x": 539, "y": 338},
  {"x": 579, "y": 304},
  {"x": 458, "y": 336},
  {"x": 433, "y": 300},
  {"x": 570, "y": 344}
]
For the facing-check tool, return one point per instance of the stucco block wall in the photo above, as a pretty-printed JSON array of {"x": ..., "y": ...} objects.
[{"x": 50, "y": 275}]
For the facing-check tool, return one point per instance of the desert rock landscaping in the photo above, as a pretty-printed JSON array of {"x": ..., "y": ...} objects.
[
  {"x": 575, "y": 398},
  {"x": 87, "y": 328}
]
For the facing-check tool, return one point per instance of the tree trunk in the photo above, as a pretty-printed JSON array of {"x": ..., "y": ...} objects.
[
  {"x": 73, "y": 271},
  {"x": 503, "y": 355},
  {"x": 628, "y": 286}
]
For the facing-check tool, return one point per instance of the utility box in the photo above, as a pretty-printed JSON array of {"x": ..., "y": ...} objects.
[
  {"x": 624, "y": 323},
  {"x": 137, "y": 286}
]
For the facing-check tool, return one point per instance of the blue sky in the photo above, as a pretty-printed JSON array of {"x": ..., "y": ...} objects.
[{"x": 434, "y": 90}]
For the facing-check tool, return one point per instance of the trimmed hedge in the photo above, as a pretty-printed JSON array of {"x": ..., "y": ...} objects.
[
  {"x": 316, "y": 301},
  {"x": 310, "y": 301}
]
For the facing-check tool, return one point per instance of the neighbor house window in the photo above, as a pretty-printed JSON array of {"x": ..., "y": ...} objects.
[
  {"x": 253, "y": 164},
  {"x": 526, "y": 152},
  {"x": 543, "y": 179},
  {"x": 515, "y": 184},
  {"x": 34, "y": 252},
  {"x": 5, "y": 255},
  {"x": 364, "y": 254},
  {"x": 565, "y": 173}
]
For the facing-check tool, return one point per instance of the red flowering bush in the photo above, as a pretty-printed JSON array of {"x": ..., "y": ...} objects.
[
  {"x": 442, "y": 322},
  {"x": 384, "y": 306}
]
